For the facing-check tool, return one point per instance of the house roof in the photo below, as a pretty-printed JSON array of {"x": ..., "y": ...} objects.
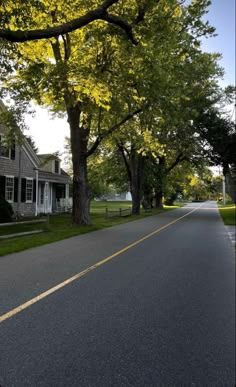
[
  {"x": 47, "y": 156},
  {"x": 33, "y": 156},
  {"x": 39, "y": 159},
  {"x": 53, "y": 177}
]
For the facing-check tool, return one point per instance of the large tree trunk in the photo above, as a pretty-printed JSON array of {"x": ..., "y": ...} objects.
[
  {"x": 136, "y": 168},
  {"x": 78, "y": 135},
  {"x": 81, "y": 191},
  {"x": 136, "y": 198},
  {"x": 158, "y": 197}
]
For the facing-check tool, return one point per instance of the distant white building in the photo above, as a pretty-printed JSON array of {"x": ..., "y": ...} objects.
[{"x": 124, "y": 196}]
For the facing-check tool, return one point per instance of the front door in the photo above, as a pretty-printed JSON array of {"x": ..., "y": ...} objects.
[{"x": 45, "y": 198}]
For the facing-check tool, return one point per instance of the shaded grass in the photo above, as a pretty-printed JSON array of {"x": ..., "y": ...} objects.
[
  {"x": 60, "y": 226},
  {"x": 13, "y": 229},
  {"x": 228, "y": 214}
]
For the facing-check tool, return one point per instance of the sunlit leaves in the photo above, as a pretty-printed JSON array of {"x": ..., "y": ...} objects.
[{"x": 110, "y": 77}]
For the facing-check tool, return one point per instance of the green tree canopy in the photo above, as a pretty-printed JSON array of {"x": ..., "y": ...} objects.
[{"x": 101, "y": 81}]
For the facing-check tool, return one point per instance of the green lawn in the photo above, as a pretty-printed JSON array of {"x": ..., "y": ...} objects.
[
  {"x": 228, "y": 214},
  {"x": 16, "y": 228},
  {"x": 59, "y": 227}
]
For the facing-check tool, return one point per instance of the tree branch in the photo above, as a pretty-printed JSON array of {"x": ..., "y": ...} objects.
[
  {"x": 122, "y": 151},
  {"x": 100, "y": 13},
  {"x": 67, "y": 47},
  {"x": 111, "y": 130},
  {"x": 178, "y": 159},
  {"x": 112, "y": 19}
]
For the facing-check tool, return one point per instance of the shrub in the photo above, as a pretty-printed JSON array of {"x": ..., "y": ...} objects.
[
  {"x": 169, "y": 201},
  {"x": 6, "y": 211}
]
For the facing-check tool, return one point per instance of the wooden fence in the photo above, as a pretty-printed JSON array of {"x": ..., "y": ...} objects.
[{"x": 120, "y": 212}]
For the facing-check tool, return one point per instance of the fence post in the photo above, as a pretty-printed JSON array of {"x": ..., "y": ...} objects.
[
  {"x": 106, "y": 214},
  {"x": 120, "y": 212}
]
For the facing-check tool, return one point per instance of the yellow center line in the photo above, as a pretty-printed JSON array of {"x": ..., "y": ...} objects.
[
  {"x": 27, "y": 304},
  {"x": 204, "y": 208}
]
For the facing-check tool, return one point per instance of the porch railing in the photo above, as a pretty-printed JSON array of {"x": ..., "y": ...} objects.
[{"x": 64, "y": 205}]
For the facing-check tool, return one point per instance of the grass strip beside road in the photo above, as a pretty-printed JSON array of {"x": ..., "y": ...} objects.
[
  {"x": 13, "y": 229},
  {"x": 60, "y": 227},
  {"x": 228, "y": 214}
]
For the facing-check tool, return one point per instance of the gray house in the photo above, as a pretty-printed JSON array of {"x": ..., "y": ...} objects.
[{"x": 31, "y": 183}]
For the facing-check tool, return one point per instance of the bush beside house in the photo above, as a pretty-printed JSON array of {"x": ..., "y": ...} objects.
[{"x": 6, "y": 211}]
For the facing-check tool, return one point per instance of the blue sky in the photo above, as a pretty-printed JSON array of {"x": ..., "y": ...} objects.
[
  {"x": 49, "y": 134},
  {"x": 221, "y": 15}
]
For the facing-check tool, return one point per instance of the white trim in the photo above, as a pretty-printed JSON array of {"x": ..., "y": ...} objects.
[
  {"x": 30, "y": 158},
  {"x": 9, "y": 177},
  {"x": 36, "y": 194},
  {"x": 31, "y": 151},
  {"x": 48, "y": 197},
  {"x": 6, "y": 158},
  {"x": 32, "y": 193}
]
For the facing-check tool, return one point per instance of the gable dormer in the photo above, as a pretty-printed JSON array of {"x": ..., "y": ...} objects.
[{"x": 50, "y": 163}]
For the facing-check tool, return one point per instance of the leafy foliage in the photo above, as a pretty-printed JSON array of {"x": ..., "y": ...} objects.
[{"x": 140, "y": 97}]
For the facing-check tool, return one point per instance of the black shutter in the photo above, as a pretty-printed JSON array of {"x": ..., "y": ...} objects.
[
  {"x": 13, "y": 150},
  {"x": 15, "y": 189},
  {"x": 23, "y": 189},
  {"x": 2, "y": 185},
  {"x": 34, "y": 191}
]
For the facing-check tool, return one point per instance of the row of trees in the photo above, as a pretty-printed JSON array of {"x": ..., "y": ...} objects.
[
  {"x": 186, "y": 181},
  {"x": 129, "y": 76}
]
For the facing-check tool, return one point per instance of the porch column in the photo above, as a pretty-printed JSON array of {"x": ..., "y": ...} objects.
[
  {"x": 37, "y": 191},
  {"x": 67, "y": 197},
  {"x": 18, "y": 208}
]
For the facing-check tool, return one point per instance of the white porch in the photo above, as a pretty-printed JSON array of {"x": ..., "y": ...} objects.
[{"x": 52, "y": 197}]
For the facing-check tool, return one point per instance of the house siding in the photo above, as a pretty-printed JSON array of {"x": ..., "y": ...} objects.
[
  {"x": 49, "y": 166},
  {"x": 23, "y": 166},
  {"x": 26, "y": 209},
  {"x": 10, "y": 167}
]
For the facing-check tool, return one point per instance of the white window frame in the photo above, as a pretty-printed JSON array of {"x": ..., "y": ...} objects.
[
  {"x": 7, "y": 191},
  {"x": 9, "y": 150},
  {"x": 27, "y": 180}
]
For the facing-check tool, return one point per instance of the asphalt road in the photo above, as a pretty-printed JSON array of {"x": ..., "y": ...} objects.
[{"x": 159, "y": 313}]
